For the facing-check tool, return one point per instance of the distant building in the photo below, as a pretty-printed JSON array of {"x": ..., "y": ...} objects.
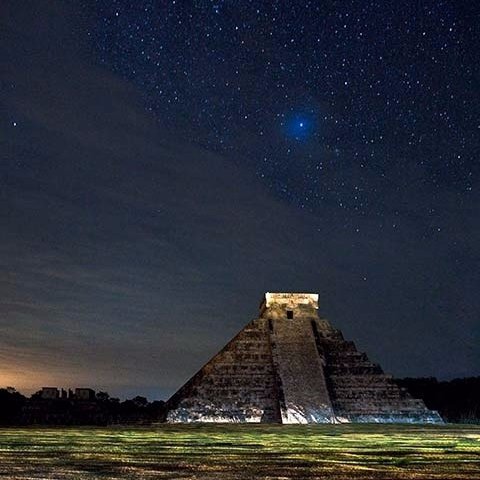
[
  {"x": 54, "y": 393},
  {"x": 84, "y": 394},
  {"x": 50, "y": 393}
]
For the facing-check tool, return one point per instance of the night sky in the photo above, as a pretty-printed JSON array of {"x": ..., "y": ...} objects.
[{"x": 164, "y": 163}]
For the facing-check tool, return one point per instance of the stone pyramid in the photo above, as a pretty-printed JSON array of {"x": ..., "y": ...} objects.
[{"x": 291, "y": 366}]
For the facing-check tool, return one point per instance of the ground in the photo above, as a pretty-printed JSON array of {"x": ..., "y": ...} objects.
[{"x": 242, "y": 452}]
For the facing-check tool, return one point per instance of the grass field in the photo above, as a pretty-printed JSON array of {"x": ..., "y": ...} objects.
[{"x": 242, "y": 452}]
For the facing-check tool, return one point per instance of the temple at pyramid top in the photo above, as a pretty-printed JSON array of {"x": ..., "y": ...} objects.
[
  {"x": 289, "y": 302},
  {"x": 292, "y": 366}
]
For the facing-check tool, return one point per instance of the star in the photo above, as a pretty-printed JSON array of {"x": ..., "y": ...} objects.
[{"x": 300, "y": 126}]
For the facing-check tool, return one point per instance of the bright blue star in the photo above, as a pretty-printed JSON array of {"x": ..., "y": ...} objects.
[{"x": 300, "y": 126}]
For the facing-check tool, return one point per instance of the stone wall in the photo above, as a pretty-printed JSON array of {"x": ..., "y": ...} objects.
[
  {"x": 237, "y": 385},
  {"x": 361, "y": 392}
]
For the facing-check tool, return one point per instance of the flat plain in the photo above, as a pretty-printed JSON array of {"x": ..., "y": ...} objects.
[{"x": 242, "y": 452}]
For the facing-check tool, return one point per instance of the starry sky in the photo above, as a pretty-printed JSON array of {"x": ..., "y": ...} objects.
[{"x": 164, "y": 163}]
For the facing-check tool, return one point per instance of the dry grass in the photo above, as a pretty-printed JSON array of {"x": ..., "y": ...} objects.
[{"x": 242, "y": 452}]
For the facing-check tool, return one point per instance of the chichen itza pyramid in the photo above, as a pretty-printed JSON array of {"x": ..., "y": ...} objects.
[{"x": 291, "y": 366}]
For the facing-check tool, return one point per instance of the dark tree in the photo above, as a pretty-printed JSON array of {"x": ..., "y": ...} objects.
[
  {"x": 11, "y": 404},
  {"x": 456, "y": 400}
]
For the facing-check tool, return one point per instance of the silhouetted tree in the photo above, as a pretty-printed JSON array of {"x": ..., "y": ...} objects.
[
  {"x": 140, "y": 401},
  {"x": 456, "y": 400},
  {"x": 157, "y": 411},
  {"x": 102, "y": 396},
  {"x": 11, "y": 404}
]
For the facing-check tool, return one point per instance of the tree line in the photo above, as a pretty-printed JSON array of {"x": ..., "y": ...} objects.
[
  {"x": 16, "y": 409},
  {"x": 457, "y": 401}
]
